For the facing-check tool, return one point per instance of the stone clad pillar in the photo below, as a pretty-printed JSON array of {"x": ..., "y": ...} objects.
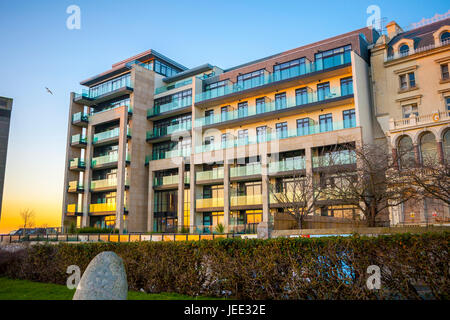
[
  {"x": 440, "y": 151},
  {"x": 151, "y": 201},
  {"x": 395, "y": 157},
  {"x": 87, "y": 176},
  {"x": 180, "y": 198},
  {"x": 264, "y": 227},
  {"x": 417, "y": 155},
  {"x": 226, "y": 194},
  {"x": 121, "y": 164}
]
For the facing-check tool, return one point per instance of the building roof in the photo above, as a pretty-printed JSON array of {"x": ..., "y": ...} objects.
[
  {"x": 189, "y": 73},
  {"x": 121, "y": 66},
  {"x": 422, "y": 36}
]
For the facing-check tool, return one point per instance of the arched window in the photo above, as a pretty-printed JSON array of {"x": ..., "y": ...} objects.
[
  {"x": 445, "y": 37},
  {"x": 446, "y": 146},
  {"x": 405, "y": 152},
  {"x": 404, "y": 50},
  {"x": 428, "y": 149}
]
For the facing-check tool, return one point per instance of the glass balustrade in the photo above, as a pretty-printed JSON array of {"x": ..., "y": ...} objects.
[
  {"x": 172, "y": 86},
  {"x": 80, "y": 116},
  {"x": 216, "y": 173},
  {"x": 109, "y": 158},
  {"x": 103, "y": 183},
  {"x": 209, "y": 203},
  {"x": 78, "y": 139},
  {"x": 102, "y": 207},
  {"x": 248, "y": 170},
  {"x": 75, "y": 186},
  {"x": 174, "y": 105},
  {"x": 287, "y": 165},
  {"x": 295, "y": 71},
  {"x": 77, "y": 163},
  {"x": 74, "y": 208},
  {"x": 335, "y": 158},
  {"x": 249, "y": 200},
  {"x": 99, "y": 137},
  {"x": 106, "y": 87},
  {"x": 164, "y": 131}
]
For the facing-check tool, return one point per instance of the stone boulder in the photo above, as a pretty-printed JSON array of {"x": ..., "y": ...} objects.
[{"x": 104, "y": 279}]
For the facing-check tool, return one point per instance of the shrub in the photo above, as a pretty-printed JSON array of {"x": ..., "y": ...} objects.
[{"x": 323, "y": 268}]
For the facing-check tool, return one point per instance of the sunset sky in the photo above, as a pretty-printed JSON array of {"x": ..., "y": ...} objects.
[{"x": 37, "y": 51}]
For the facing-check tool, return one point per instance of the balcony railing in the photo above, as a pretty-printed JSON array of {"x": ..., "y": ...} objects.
[
  {"x": 216, "y": 173},
  {"x": 78, "y": 139},
  {"x": 109, "y": 158},
  {"x": 335, "y": 158},
  {"x": 248, "y": 170},
  {"x": 174, "y": 105},
  {"x": 102, "y": 207},
  {"x": 399, "y": 55},
  {"x": 75, "y": 186},
  {"x": 77, "y": 164},
  {"x": 419, "y": 120},
  {"x": 296, "y": 71},
  {"x": 161, "y": 132},
  {"x": 166, "y": 180},
  {"x": 274, "y": 136},
  {"x": 184, "y": 152},
  {"x": 172, "y": 86},
  {"x": 246, "y": 200},
  {"x": 287, "y": 165},
  {"x": 109, "y": 87},
  {"x": 73, "y": 208},
  {"x": 99, "y": 137},
  {"x": 252, "y": 110},
  {"x": 104, "y": 183},
  {"x": 80, "y": 117},
  {"x": 209, "y": 203}
]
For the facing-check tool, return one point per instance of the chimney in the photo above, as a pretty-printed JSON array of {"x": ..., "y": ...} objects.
[{"x": 393, "y": 29}]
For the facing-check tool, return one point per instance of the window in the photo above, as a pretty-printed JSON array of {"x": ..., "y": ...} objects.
[
  {"x": 428, "y": 149},
  {"x": 445, "y": 38},
  {"x": 346, "y": 86},
  {"x": 404, "y": 50},
  {"x": 446, "y": 146},
  {"x": 224, "y": 113},
  {"x": 326, "y": 122},
  {"x": 323, "y": 91},
  {"x": 349, "y": 118},
  {"x": 281, "y": 130},
  {"x": 444, "y": 72},
  {"x": 261, "y": 134},
  {"x": 289, "y": 69},
  {"x": 242, "y": 109},
  {"x": 332, "y": 58},
  {"x": 209, "y": 140},
  {"x": 216, "y": 89},
  {"x": 407, "y": 81},
  {"x": 280, "y": 101},
  {"x": 410, "y": 110},
  {"x": 111, "y": 85},
  {"x": 164, "y": 69},
  {"x": 177, "y": 100},
  {"x": 224, "y": 140},
  {"x": 301, "y": 96},
  {"x": 243, "y": 137},
  {"x": 209, "y": 117},
  {"x": 159, "y": 149},
  {"x": 260, "y": 105},
  {"x": 250, "y": 80},
  {"x": 405, "y": 155},
  {"x": 447, "y": 104},
  {"x": 303, "y": 126}
]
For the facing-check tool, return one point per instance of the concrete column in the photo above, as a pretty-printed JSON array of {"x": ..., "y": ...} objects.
[
  {"x": 417, "y": 154},
  {"x": 192, "y": 192},
  {"x": 308, "y": 161},
  {"x": 121, "y": 164},
  {"x": 226, "y": 194},
  {"x": 87, "y": 176},
  {"x": 440, "y": 151},
  {"x": 395, "y": 157},
  {"x": 264, "y": 227},
  {"x": 180, "y": 205},
  {"x": 151, "y": 201}
]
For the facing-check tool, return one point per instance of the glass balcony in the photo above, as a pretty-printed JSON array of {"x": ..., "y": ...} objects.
[
  {"x": 80, "y": 117},
  {"x": 187, "y": 177},
  {"x": 102, "y": 207},
  {"x": 287, "y": 196},
  {"x": 295, "y": 71},
  {"x": 248, "y": 170},
  {"x": 287, "y": 165},
  {"x": 74, "y": 208},
  {"x": 78, "y": 139},
  {"x": 161, "y": 132},
  {"x": 174, "y": 105},
  {"x": 246, "y": 200},
  {"x": 209, "y": 203},
  {"x": 105, "y": 88},
  {"x": 185, "y": 152},
  {"x": 172, "y": 86},
  {"x": 99, "y": 137},
  {"x": 75, "y": 186},
  {"x": 166, "y": 181},
  {"x": 109, "y": 158},
  {"x": 216, "y": 173},
  {"x": 103, "y": 184},
  {"x": 77, "y": 164},
  {"x": 273, "y": 136},
  {"x": 335, "y": 158},
  {"x": 253, "y": 110}
]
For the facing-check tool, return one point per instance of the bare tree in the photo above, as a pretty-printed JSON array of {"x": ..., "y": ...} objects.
[
  {"x": 373, "y": 187},
  {"x": 27, "y": 217},
  {"x": 299, "y": 196}
]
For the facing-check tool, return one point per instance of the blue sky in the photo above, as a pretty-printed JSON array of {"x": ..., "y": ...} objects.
[{"x": 38, "y": 51}]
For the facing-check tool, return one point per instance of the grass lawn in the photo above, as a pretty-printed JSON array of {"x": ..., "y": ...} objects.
[{"x": 11, "y": 289}]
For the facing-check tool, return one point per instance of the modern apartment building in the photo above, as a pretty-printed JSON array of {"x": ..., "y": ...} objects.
[
  {"x": 154, "y": 146},
  {"x": 411, "y": 85},
  {"x": 5, "y": 118}
]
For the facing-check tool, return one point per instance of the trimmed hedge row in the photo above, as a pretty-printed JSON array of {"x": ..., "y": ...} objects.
[{"x": 321, "y": 268}]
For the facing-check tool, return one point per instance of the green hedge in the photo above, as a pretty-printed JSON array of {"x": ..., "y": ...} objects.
[{"x": 321, "y": 268}]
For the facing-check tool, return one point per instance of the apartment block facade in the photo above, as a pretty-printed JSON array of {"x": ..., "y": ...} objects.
[
  {"x": 153, "y": 146},
  {"x": 411, "y": 92},
  {"x": 5, "y": 120}
]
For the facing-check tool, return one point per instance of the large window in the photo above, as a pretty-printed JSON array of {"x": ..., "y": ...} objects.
[
  {"x": 332, "y": 58},
  {"x": 446, "y": 146},
  {"x": 428, "y": 149},
  {"x": 250, "y": 80},
  {"x": 111, "y": 85},
  {"x": 159, "y": 149},
  {"x": 323, "y": 91},
  {"x": 410, "y": 110},
  {"x": 261, "y": 134},
  {"x": 164, "y": 69},
  {"x": 404, "y": 50},
  {"x": 445, "y": 38},
  {"x": 304, "y": 126},
  {"x": 301, "y": 96},
  {"x": 346, "y": 86},
  {"x": 209, "y": 117},
  {"x": 444, "y": 72},
  {"x": 243, "y": 137},
  {"x": 407, "y": 81},
  {"x": 260, "y": 105},
  {"x": 326, "y": 122},
  {"x": 289, "y": 69},
  {"x": 224, "y": 113},
  {"x": 280, "y": 101},
  {"x": 282, "y": 131},
  {"x": 242, "y": 109},
  {"x": 216, "y": 89},
  {"x": 349, "y": 118},
  {"x": 179, "y": 99},
  {"x": 160, "y": 127},
  {"x": 405, "y": 150}
]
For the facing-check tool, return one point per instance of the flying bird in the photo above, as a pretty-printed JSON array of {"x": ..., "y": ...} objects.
[{"x": 49, "y": 91}]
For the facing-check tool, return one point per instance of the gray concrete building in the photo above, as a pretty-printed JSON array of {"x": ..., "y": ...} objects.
[{"x": 5, "y": 119}]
